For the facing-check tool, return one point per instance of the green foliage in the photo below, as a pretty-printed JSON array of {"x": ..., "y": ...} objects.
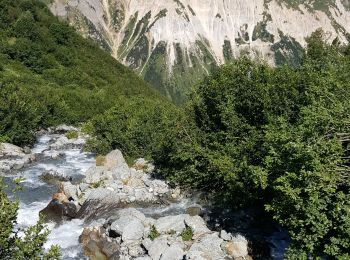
[
  {"x": 187, "y": 234},
  {"x": 28, "y": 246},
  {"x": 98, "y": 184},
  {"x": 72, "y": 135},
  {"x": 153, "y": 233},
  {"x": 51, "y": 75},
  {"x": 278, "y": 137},
  {"x": 137, "y": 132}
]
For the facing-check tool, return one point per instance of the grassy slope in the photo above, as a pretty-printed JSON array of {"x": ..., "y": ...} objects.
[{"x": 49, "y": 74}]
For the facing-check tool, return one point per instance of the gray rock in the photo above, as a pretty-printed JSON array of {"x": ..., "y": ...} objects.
[
  {"x": 53, "y": 177},
  {"x": 237, "y": 247},
  {"x": 97, "y": 174},
  {"x": 225, "y": 236},
  {"x": 116, "y": 162},
  {"x": 147, "y": 243},
  {"x": 133, "y": 230},
  {"x": 64, "y": 128},
  {"x": 10, "y": 150},
  {"x": 133, "y": 213},
  {"x": 197, "y": 224},
  {"x": 83, "y": 186},
  {"x": 160, "y": 187},
  {"x": 98, "y": 203},
  {"x": 169, "y": 224},
  {"x": 157, "y": 248},
  {"x": 174, "y": 252},
  {"x": 122, "y": 220},
  {"x": 70, "y": 190},
  {"x": 58, "y": 211},
  {"x": 119, "y": 225},
  {"x": 60, "y": 143},
  {"x": 142, "y": 164},
  {"x": 97, "y": 245},
  {"x": 134, "y": 248},
  {"x": 135, "y": 182},
  {"x": 208, "y": 247},
  {"x": 13, "y": 157}
]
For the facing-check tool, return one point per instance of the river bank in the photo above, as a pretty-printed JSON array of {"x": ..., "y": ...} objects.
[{"x": 56, "y": 155}]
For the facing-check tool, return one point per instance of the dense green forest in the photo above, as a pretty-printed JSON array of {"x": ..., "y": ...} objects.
[
  {"x": 276, "y": 138},
  {"x": 50, "y": 75}
]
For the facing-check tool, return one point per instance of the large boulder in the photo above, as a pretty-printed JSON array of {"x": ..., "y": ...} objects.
[
  {"x": 59, "y": 209},
  {"x": 174, "y": 252},
  {"x": 237, "y": 247},
  {"x": 71, "y": 191},
  {"x": 133, "y": 230},
  {"x": 13, "y": 157},
  {"x": 99, "y": 202},
  {"x": 170, "y": 224},
  {"x": 64, "y": 142},
  {"x": 60, "y": 143},
  {"x": 97, "y": 175},
  {"x": 114, "y": 161},
  {"x": 157, "y": 248},
  {"x": 123, "y": 218},
  {"x": 208, "y": 247},
  {"x": 10, "y": 150},
  {"x": 53, "y": 177},
  {"x": 197, "y": 224},
  {"x": 97, "y": 245}
]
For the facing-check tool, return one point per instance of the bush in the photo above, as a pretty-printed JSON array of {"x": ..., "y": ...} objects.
[
  {"x": 72, "y": 134},
  {"x": 14, "y": 246},
  {"x": 153, "y": 233},
  {"x": 137, "y": 127},
  {"x": 187, "y": 234}
]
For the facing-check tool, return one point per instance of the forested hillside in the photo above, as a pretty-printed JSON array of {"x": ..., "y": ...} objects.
[
  {"x": 50, "y": 75},
  {"x": 276, "y": 138}
]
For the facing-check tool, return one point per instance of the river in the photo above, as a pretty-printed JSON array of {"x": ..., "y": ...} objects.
[{"x": 73, "y": 162}]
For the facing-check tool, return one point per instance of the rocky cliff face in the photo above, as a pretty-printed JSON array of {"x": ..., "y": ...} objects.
[{"x": 173, "y": 43}]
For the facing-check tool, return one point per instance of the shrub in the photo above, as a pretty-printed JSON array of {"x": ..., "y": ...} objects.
[
  {"x": 153, "y": 233},
  {"x": 187, "y": 234},
  {"x": 14, "y": 246},
  {"x": 72, "y": 134}
]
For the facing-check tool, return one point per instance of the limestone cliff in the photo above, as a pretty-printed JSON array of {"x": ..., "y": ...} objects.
[{"x": 173, "y": 43}]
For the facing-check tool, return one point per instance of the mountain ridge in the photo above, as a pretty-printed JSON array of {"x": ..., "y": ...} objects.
[{"x": 172, "y": 44}]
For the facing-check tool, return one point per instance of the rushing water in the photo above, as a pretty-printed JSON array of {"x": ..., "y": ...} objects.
[
  {"x": 73, "y": 162},
  {"x": 36, "y": 194}
]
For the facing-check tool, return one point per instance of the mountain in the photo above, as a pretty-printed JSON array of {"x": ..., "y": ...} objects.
[{"x": 172, "y": 43}]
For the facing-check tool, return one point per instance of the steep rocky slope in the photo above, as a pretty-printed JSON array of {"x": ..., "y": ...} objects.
[{"x": 172, "y": 43}]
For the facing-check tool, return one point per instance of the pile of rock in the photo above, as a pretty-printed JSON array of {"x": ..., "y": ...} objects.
[
  {"x": 111, "y": 184},
  {"x": 131, "y": 235},
  {"x": 53, "y": 177},
  {"x": 13, "y": 157},
  {"x": 72, "y": 138}
]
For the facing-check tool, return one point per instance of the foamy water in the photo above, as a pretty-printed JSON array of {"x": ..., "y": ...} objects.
[{"x": 36, "y": 194}]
